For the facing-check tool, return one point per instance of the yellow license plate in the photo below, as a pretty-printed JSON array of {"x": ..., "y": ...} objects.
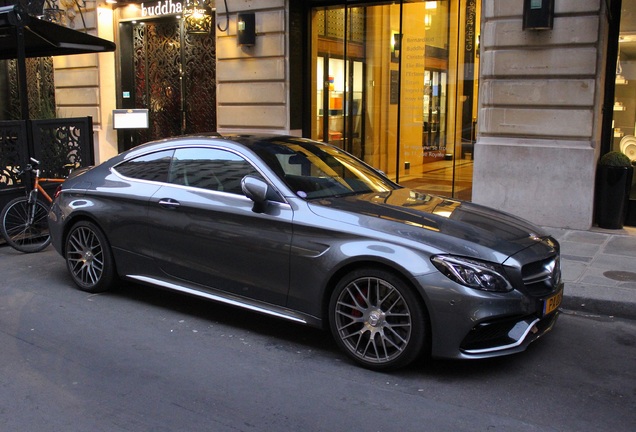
[{"x": 552, "y": 303}]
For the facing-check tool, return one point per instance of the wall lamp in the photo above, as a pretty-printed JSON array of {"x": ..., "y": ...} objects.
[
  {"x": 246, "y": 28},
  {"x": 538, "y": 14}
]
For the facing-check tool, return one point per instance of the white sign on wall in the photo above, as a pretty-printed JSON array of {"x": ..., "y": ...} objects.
[{"x": 130, "y": 119}]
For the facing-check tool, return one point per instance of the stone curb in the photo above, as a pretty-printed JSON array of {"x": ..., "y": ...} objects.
[{"x": 598, "y": 306}]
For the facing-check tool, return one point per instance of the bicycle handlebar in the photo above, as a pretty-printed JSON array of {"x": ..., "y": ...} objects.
[{"x": 34, "y": 166}]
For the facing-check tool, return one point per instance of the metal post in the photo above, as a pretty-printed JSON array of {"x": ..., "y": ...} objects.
[{"x": 22, "y": 75}]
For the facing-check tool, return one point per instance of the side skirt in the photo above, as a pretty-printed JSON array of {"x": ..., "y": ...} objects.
[{"x": 232, "y": 300}]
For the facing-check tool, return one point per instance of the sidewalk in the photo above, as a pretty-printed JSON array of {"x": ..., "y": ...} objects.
[{"x": 599, "y": 270}]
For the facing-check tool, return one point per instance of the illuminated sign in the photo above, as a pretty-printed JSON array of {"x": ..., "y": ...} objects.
[{"x": 162, "y": 7}]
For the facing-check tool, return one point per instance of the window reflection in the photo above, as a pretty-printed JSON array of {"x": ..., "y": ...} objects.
[{"x": 210, "y": 169}]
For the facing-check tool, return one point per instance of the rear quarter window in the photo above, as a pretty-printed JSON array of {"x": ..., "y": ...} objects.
[{"x": 150, "y": 167}]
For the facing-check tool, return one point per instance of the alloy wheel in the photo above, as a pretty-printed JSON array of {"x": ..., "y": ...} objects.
[
  {"x": 86, "y": 257},
  {"x": 373, "y": 320}
]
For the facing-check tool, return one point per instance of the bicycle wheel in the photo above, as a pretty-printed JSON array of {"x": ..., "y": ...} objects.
[{"x": 16, "y": 229}]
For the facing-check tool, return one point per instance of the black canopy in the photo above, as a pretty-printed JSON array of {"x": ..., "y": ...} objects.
[
  {"x": 43, "y": 38},
  {"x": 22, "y": 36}
]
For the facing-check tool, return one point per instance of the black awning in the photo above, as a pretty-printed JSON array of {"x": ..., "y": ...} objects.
[
  {"x": 43, "y": 38},
  {"x": 22, "y": 36}
]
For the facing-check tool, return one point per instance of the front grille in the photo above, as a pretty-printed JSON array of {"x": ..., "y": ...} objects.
[{"x": 542, "y": 277}]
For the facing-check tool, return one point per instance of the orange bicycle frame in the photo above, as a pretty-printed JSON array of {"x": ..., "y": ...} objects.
[{"x": 40, "y": 189}]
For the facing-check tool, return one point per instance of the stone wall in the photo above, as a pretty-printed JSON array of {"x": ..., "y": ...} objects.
[
  {"x": 252, "y": 81},
  {"x": 85, "y": 85},
  {"x": 540, "y": 112}
]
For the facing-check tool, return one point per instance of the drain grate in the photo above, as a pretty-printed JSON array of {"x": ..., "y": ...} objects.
[{"x": 621, "y": 276}]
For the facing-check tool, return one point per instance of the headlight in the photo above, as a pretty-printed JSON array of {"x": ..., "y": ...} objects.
[{"x": 472, "y": 273}]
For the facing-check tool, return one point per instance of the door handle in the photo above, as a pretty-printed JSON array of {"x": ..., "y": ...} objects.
[{"x": 169, "y": 203}]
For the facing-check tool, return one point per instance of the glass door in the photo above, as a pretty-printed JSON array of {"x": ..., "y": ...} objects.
[
  {"x": 396, "y": 84},
  {"x": 331, "y": 87},
  {"x": 434, "y": 110},
  {"x": 350, "y": 82},
  {"x": 339, "y": 88}
]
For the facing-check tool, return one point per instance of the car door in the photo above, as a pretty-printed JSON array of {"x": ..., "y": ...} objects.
[
  {"x": 123, "y": 203},
  {"x": 203, "y": 229}
]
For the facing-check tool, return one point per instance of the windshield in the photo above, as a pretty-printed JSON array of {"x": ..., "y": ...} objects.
[{"x": 315, "y": 170}]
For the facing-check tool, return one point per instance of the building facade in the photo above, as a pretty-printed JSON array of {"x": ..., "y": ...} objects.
[
  {"x": 466, "y": 98},
  {"x": 541, "y": 111}
]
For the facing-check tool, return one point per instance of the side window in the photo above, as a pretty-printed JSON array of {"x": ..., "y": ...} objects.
[
  {"x": 152, "y": 167},
  {"x": 211, "y": 169}
]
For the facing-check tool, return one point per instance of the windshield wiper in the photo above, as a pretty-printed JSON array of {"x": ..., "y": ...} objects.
[{"x": 352, "y": 193}]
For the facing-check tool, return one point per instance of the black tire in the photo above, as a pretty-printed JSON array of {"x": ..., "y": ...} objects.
[
  {"x": 89, "y": 258},
  {"x": 16, "y": 229},
  {"x": 377, "y": 320}
]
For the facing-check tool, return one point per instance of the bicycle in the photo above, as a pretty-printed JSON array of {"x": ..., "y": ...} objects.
[{"x": 25, "y": 219}]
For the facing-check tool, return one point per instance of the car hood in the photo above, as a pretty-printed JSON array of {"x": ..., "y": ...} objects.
[{"x": 445, "y": 224}]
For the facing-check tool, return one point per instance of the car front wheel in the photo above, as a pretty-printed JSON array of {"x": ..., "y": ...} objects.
[
  {"x": 88, "y": 258},
  {"x": 377, "y": 320}
]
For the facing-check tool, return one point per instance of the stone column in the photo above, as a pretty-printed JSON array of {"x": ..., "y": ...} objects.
[{"x": 540, "y": 112}]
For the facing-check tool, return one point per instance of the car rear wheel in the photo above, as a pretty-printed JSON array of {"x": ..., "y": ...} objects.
[
  {"x": 88, "y": 258},
  {"x": 377, "y": 320}
]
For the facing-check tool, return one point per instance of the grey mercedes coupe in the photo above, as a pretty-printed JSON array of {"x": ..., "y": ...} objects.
[{"x": 303, "y": 231}]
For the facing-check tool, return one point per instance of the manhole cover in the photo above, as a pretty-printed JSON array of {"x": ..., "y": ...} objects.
[{"x": 622, "y": 276}]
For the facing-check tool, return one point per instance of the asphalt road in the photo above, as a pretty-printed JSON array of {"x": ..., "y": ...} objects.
[{"x": 140, "y": 359}]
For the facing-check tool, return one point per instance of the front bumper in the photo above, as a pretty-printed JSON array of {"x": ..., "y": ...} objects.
[
  {"x": 505, "y": 337},
  {"x": 470, "y": 324}
]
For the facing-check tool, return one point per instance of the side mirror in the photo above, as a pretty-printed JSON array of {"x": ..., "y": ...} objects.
[{"x": 257, "y": 190}]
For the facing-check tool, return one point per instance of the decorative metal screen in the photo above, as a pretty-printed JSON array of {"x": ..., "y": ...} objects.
[
  {"x": 335, "y": 24},
  {"x": 330, "y": 23},
  {"x": 12, "y": 99},
  {"x": 61, "y": 142},
  {"x": 56, "y": 143},
  {"x": 175, "y": 78},
  {"x": 357, "y": 17},
  {"x": 199, "y": 64},
  {"x": 40, "y": 89},
  {"x": 13, "y": 152}
]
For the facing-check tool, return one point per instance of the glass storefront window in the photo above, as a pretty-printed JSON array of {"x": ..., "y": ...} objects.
[
  {"x": 624, "y": 119},
  {"x": 396, "y": 84}
]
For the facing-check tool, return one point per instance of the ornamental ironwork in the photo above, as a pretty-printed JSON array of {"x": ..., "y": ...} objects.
[
  {"x": 62, "y": 142},
  {"x": 197, "y": 17},
  {"x": 40, "y": 91},
  {"x": 12, "y": 152},
  {"x": 56, "y": 144},
  {"x": 175, "y": 78},
  {"x": 199, "y": 65},
  {"x": 64, "y": 12}
]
